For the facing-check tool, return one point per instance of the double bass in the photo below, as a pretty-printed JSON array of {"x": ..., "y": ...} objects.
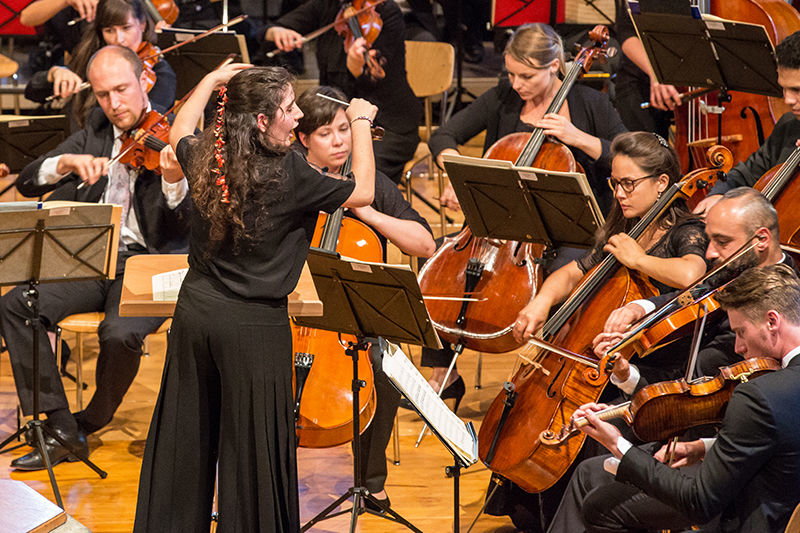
[
  {"x": 516, "y": 438},
  {"x": 748, "y": 118},
  {"x": 501, "y": 275}
]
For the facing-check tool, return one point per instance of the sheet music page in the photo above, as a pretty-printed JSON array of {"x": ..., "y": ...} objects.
[
  {"x": 399, "y": 368},
  {"x": 167, "y": 284}
]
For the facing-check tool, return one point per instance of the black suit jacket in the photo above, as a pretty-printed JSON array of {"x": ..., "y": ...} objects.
[
  {"x": 165, "y": 230},
  {"x": 752, "y": 473}
]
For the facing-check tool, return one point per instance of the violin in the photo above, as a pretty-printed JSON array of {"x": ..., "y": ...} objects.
[
  {"x": 141, "y": 147},
  {"x": 664, "y": 410},
  {"x": 162, "y": 10},
  {"x": 359, "y": 19},
  {"x": 150, "y": 55}
]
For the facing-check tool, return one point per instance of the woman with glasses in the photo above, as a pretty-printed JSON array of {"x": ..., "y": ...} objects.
[{"x": 670, "y": 252}]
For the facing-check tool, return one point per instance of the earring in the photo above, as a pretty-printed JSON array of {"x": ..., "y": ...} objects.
[{"x": 659, "y": 195}]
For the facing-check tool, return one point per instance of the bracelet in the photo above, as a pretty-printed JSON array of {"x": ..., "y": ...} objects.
[{"x": 363, "y": 117}]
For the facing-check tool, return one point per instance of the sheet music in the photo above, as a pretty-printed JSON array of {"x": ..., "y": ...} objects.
[
  {"x": 399, "y": 368},
  {"x": 167, "y": 284}
]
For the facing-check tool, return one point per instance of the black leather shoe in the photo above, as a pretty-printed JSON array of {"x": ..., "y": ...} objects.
[
  {"x": 473, "y": 52},
  {"x": 372, "y": 507},
  {"x": 54, "y": 450}
]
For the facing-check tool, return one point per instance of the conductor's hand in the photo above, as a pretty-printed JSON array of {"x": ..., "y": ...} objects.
[
  {"x": 621, "y": 319},
  {"x": 360, "y": 108},
  {"x": 65, "y": 82},
  {"x": 284, "y": 38},
  {"x": 663, "y": 96},
  {"x": 88, "y": 168},
  {"x": 685, "y": 453},
  {"x": 223, "y": 74},
  {"x": 171, "y": 170}
]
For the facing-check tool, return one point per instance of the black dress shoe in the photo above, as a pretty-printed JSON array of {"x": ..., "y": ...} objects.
[
  {"x": 373, "y": 507},
  {"x": 473, "y": 52},
  {"x": 456, "y": 390},
  {"x": 54, "y": 450}
]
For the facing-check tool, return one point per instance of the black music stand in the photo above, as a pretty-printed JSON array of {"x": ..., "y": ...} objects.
[
  {"x": 721, "y": 54},
  {"x": 502, "y": 201},
  {"x": 65, "y": 241},
  {"x": 23, "y": 139},
  {"x": 371, "y": 300},
  {"x": 193, "y": 61}
]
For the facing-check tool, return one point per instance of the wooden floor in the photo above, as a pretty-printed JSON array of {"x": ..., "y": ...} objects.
[{"x": 418, "y": 487}]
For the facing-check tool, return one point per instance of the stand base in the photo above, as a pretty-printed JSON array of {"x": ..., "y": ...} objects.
[
  {"x": 39, "y": 428},
  {"x": 360, "y": 495}
]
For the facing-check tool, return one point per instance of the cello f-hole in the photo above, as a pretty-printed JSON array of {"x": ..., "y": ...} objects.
[
  {"x": 756, "y": 121},
  {"x": 550, "y": 392},
  {"x": 461, "y": 249}
]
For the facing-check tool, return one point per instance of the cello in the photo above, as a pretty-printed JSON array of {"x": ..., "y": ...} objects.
[
  {"x": 323, "y": 375},
  {"x": 499, "y": 271},
  {"x": 748, "y": 118},
  {"x": 780, "y": 186},
  {"x": 515, "y": 438}
]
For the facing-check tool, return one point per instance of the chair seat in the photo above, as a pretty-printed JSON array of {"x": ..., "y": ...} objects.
[
  {"x": 82, "y": 322},
  {"x": 89, "y": 322}
]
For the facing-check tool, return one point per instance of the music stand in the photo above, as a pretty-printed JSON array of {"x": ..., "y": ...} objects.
[
  {"x": 502, "y": 201},
  {"x": 48, "y": 243},
  {"x": 23, "y": 139},
  {"x": 371, "y": 300},
  {"x": 193, "y": 61},
  {"x": 716, "y": 53}
]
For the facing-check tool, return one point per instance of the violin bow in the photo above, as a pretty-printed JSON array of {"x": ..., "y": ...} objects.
[{"x": 316, "y": 33}]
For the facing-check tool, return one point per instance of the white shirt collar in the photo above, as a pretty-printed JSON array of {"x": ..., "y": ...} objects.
[{"x": 789, "y": 356}]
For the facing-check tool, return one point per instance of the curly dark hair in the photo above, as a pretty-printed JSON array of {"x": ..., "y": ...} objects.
[
  {"x": 109, "y": 13},
  {"x": 788, "y": 51},
  {"x": 253, "y": 165}
]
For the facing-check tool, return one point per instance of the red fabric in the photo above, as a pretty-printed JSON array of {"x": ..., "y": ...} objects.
[
  {"x": 9, "y": 18},
  {"x": 517, "y": 12}
]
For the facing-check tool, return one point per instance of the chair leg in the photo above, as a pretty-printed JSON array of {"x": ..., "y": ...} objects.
[
  {"x": 478, "y": 369},
  {"x": 79, "y": 371}
]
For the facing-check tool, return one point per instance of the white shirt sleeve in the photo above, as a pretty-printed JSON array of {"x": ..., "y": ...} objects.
[
  {"x": 611, "y": 464},
  {"x": 647, "y": 305},
  {"x": 48, "y": 173},
  {"x": 629, "y": 385},
  {"x": 174, "y": 193},
  {"x": 708, "y": 443}
]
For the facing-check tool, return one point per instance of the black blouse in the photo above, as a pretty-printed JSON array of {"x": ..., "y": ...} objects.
[
  {"x": 685, "y": 238},
  {"x": 268, "y": 267}
]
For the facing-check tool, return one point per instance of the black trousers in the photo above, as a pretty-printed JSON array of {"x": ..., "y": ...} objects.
[
  {"x": 629, "y": 95},
  {"x": 595, "y": 502},
  {"x": 225, "y": 406},
  {"x": 121, "y": 340},
  {"x": 376, "y": 437}
]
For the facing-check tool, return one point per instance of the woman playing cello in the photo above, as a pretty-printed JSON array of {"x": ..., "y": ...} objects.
[
  {"x": 586, "y": 123},
  {"x": 324, "y": 132},
  {"x": 670, "y": 252}
]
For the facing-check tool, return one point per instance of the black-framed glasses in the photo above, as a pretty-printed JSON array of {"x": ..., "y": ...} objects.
[{"x": 627, "y": 184}]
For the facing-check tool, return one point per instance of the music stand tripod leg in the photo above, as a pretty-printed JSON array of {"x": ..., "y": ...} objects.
[{"x": 358, "y": 490}]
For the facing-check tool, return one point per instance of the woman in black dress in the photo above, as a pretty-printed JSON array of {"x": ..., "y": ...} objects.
[{"x": 226, "y": 393}]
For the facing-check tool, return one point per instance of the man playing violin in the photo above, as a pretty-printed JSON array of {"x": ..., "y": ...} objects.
[
  {"x": 155, "y": 213},
  {"x": 747, "y": 475},
  {"x": 740, "y": 215},
  {"x": 783, "y": 139},
  {"x": 346, "y": 69}
]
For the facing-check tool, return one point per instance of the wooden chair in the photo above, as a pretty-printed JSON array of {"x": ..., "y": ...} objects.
[
  {"x": 429, "y": 68},
  {"x": 794, "y": 522},
  {"x": 82, "y": 324}
]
